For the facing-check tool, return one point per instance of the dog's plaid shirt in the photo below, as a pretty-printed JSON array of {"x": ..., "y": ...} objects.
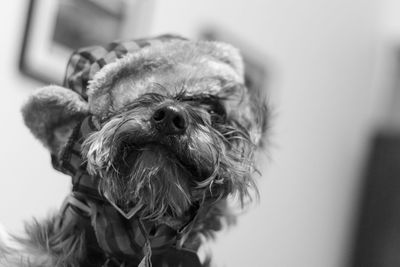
[{"x": 114, "y": 238}]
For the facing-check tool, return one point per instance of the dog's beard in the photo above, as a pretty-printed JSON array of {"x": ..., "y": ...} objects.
[
  {"x": 151, "y": 178},
  {"x": 166, "y": 175}
]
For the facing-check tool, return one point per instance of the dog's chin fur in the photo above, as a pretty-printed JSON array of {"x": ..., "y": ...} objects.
[{"x": 150, "y": 178}]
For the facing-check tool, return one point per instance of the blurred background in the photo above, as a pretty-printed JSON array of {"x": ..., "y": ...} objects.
[{"x": 330, "y": 189}]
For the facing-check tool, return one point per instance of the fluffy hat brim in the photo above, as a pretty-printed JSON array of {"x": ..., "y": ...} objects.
[{"x": 168, "y": 64}]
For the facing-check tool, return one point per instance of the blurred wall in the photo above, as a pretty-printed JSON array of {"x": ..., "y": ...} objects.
[
  {"x": 322, "y": 57},
  {"x": 28, "y": 185}
]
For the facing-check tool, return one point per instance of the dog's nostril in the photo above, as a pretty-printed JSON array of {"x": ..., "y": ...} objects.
[
  {"x": 179, "y": 122},
  {"x": 170, "y": 119},
  {"x": 159, "y": 115}
]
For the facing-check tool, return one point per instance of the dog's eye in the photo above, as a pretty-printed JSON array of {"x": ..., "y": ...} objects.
[
  {"x": 215, "y": 109},
  {"x": 211, "y": 104}
]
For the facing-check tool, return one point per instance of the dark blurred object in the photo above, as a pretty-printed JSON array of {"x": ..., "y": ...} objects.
[
  {"x": 378, "y": 234},
  {"x": 256, "y": 73},
  {"x": 55, "y": 28}
]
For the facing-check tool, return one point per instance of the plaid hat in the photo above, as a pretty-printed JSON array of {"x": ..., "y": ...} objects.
[{"x": 96, "y": 72}]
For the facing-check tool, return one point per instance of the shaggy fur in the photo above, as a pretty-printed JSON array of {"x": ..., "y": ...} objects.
[{"x": 161, "y": 174}]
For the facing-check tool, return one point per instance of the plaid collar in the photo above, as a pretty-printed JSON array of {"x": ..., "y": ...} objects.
[{"x": 124, "y": 241}]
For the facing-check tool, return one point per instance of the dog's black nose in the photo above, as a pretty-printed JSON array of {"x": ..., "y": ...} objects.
[{"x": 170, "y": 119}]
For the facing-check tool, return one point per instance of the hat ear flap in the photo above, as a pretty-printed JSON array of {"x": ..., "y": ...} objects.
[
  {"x": 51, "y": 114},
  {"x": 225, "y": 53}
]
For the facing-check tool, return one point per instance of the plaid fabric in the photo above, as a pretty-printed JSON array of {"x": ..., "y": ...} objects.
[
  {"x": 125, "y": 242},
  {"x": 85, "y": 62}
]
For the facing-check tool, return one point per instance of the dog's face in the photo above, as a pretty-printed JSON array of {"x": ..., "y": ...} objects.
[
  {"x": 166, "y": 150},
  {"x": 183, "y": 131}
]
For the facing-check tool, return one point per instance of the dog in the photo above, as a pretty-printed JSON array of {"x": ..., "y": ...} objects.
[{"x": 158, "y": 135}]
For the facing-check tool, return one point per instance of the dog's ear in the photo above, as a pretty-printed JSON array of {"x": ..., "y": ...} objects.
[{"x": 51, "y": 114}]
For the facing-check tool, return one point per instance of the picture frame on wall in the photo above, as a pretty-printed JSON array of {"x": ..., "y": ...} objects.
[{"x": 55, "y": 28}]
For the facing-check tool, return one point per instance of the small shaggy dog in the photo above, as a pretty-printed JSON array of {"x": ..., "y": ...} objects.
[{"x": 157, "y": 134}]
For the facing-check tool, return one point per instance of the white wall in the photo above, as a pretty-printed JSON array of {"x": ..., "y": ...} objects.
[{"x": 323, "y": 57}]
